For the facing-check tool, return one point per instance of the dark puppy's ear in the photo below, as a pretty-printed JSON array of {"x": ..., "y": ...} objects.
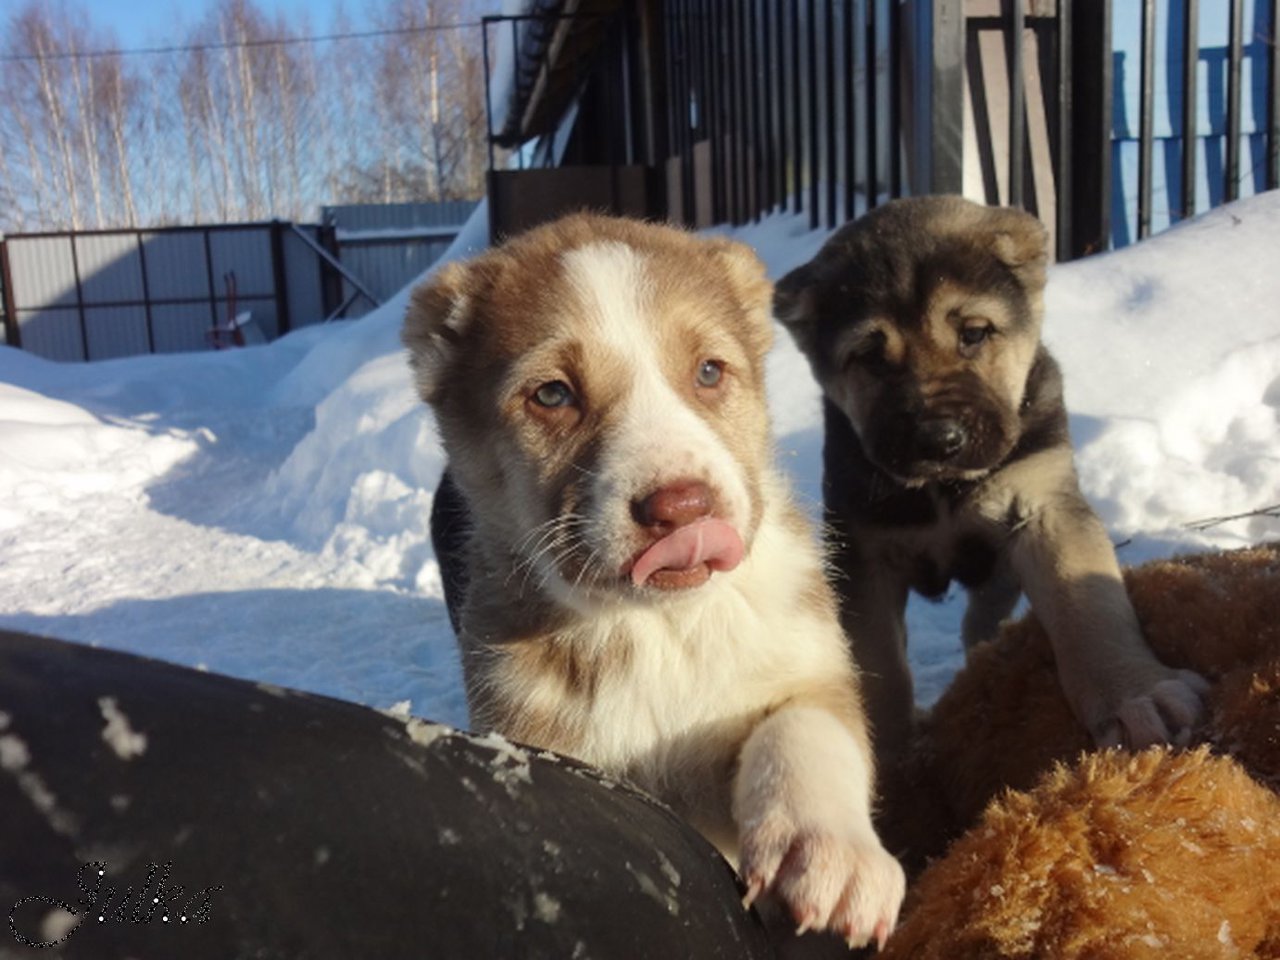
[
  {"x": 793, "y": 304},
  {"x": 1021, "y": 242},
  {"x": 438, "y": 313}
]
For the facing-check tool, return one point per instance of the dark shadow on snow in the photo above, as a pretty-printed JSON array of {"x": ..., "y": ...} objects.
[{"x": 246, "y": 633}]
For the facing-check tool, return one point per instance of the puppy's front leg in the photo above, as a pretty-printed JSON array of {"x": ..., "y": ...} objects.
[
  {"x": 1114, "y": 683},
  {"x": 873, "y": 606},
  {"x": 802, "y": 802}
]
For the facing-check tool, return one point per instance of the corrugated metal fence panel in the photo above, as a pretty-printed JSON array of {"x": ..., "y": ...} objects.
[
  {"x": 53, "y": 333},
  {"x": 43, "y": 274},
  {"x": 302, "y": 276},
  {"x": 377, "y": 243},
  {"x": 246, "y": 253},
  {"x": 176, "y": 268},
  {"x": 177, "y": 278},
  {"x": 110, "y": 269},
  {"x": 116, "y": 331},
  {"x": 385, "y": 268},
  {"x": 45, "y": 298},
  {"x": 181, "y": 327}
]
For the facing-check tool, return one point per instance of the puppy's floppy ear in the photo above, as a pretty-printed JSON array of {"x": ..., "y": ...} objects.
[
  {"x": 438, "y": 313},
  {"x": 1021, "y": 242},
  {"x": 793, "y": 304},
  {"x": 747, "y": 274}
]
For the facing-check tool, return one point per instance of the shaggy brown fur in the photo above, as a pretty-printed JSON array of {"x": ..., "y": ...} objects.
[
  {"x": 1205, "y": 829},
  {"x": 1157, "y": 854}
]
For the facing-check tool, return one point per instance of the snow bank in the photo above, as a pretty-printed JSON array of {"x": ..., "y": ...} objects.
[{"x": 1171, "y": 351}]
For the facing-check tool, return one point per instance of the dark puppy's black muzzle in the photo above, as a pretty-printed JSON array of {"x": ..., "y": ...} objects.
[{"x": 939, "y": 439}]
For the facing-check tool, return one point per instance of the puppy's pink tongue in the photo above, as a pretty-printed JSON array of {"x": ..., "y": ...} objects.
[{"x": 713, "y": 542}]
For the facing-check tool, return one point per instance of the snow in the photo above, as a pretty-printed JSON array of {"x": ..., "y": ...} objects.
[
  {"x": 263, "y": 512},
  {"x": 13, "y": 753},
  {"x": 57, "y": 923},
  {"x": 546, "y": 907},
  {"x": 118, "y": 734}
]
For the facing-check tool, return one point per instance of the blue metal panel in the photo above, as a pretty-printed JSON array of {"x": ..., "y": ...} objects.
[
  {"x": 52, "y": 333},
  {"x": 181, "y": 328},
  {"x": 1211, "y": 111},
  {"x": 176, "y": 265},
  {"x": 247, "y": 252},
  {"x": 116, "y": 331},
  {"x": 386, "y": 268},
  {"x": 43, "y": 273},
  {"x": 377, "y": 242},
  {"x": 110, "y": 268},
  {"x": 302, "y": 276}
]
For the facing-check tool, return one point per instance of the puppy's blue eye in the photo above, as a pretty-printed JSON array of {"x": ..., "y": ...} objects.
[
  {"x": 553, "y": 394},
  {"x": 972, "y": 336},
  {"x": 710, "y": 373}
]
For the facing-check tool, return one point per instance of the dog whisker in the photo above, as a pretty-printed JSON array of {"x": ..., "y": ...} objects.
[
  {"x": 554, "y": 528},
  {"x": 532, "y": 561}
]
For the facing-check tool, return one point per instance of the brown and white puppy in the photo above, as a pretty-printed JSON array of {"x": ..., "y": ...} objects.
[
  {"x": 947, "y": 456},
  {"x": 630, "y": 581}
]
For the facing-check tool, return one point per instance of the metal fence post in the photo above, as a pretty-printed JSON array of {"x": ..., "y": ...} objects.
[
  {"x": 75, "y": 269},
  {"x": 1273, "y": 100},
  {"x": 1146, "y": 116},
  {"x": 1017, "y": 105},
  {"x": 1063, "y": 156},
  {"x": 146, "y": 292},
  {"x": 284, "y": 323},
  {"x": 1190, "y": 53},
  {"x": 12, "y": 335},
  {"x": 1091, "y": 74},
  {"x": 1235, "y": 61},
  {"x": 873, "y": 106},
  {"x": 946, "y": 150}
]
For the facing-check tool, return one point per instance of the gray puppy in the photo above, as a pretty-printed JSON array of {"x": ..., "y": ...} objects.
[{"x": 947, "y": 457}]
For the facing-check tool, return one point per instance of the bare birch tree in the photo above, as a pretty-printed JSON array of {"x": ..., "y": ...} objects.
[{"x": 249, "y": 119}]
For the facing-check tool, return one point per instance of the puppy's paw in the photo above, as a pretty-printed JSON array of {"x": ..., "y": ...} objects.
[
  {"x": 1164, "y": 709},
  {"x": 840, "y": 881}
]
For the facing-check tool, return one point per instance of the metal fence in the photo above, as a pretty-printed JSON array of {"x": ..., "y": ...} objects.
[
  {"x": 1145, "y": 112},
  {"x": 777, "y": 103},
  {"x": 1107, "y": 118},
  {"x": 1196, "y": 108},
  {"x": 387, "y": 245},
  {"x": 95, "y": 295},
  {"x": 831, "y": 106}
]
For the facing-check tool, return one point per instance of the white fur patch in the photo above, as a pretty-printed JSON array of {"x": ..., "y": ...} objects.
[
  {"x": 660, "y": 438},
  {"x": 804, "y": 759},
  {"x": 802, "y": 800}
]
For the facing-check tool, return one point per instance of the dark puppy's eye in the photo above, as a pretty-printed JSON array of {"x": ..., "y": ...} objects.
[
  {"x": 554, "y": 394},
  {"x": 710, "y": 372},
  {"x": 974, "y": 335},
  {"x": 870, "y": 349}
]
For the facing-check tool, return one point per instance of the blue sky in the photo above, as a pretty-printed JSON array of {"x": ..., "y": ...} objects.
[{"x": 139, "y": 23}]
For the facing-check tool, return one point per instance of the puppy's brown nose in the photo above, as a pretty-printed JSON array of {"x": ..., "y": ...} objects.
[
  {"x": 940, "y": 439},
  {"x": 673, "y": 506}
]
